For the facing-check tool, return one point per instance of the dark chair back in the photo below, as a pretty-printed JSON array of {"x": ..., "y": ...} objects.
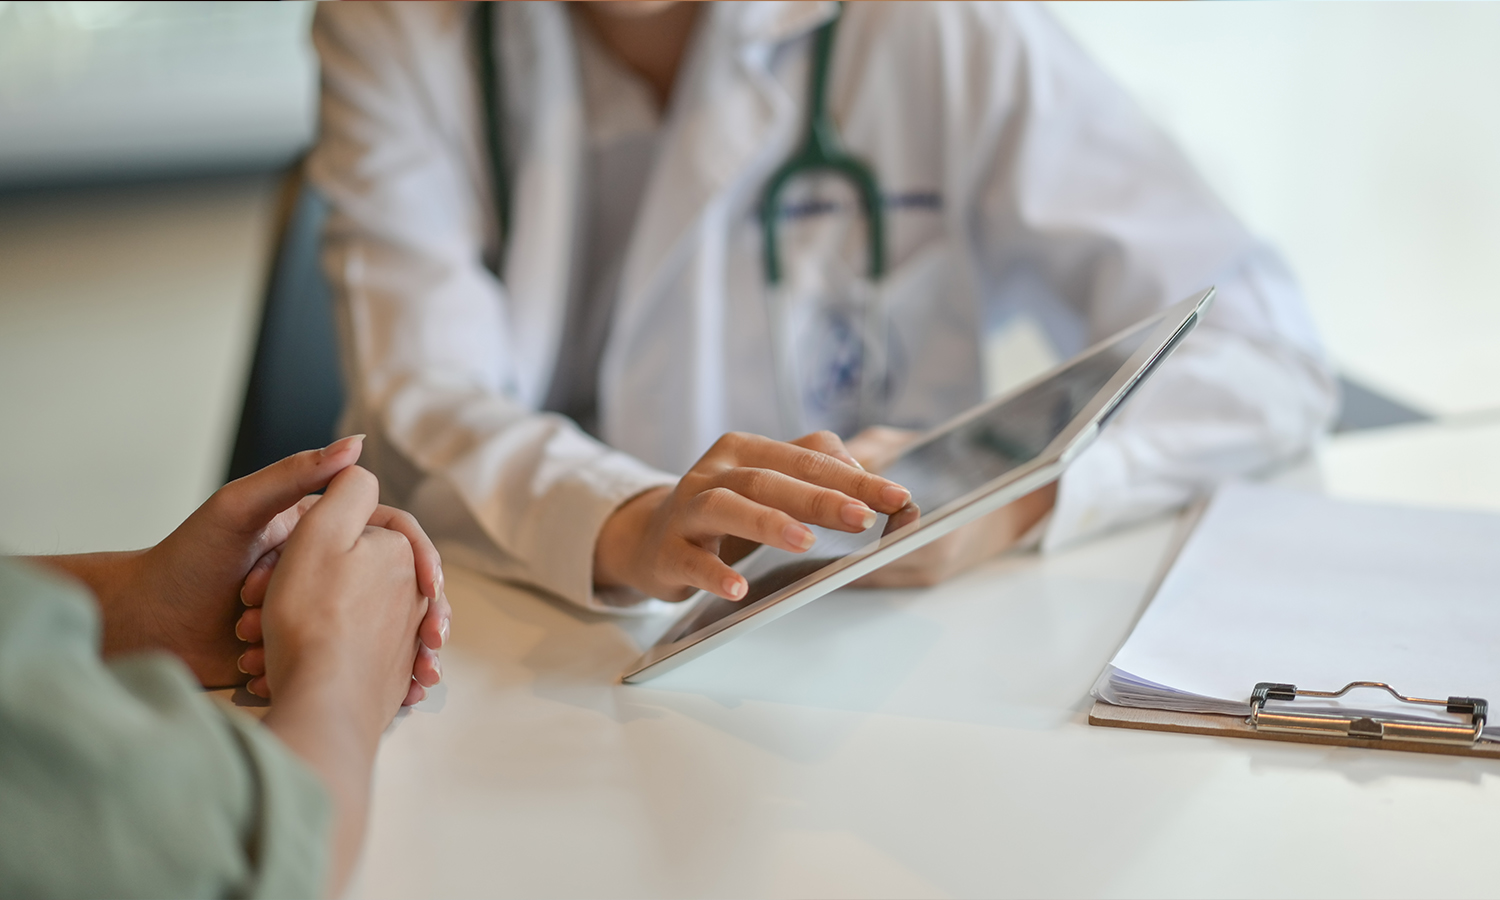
[{"x": 294, "y": 396}]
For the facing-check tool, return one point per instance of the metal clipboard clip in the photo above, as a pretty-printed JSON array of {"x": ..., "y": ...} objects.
[{"x": 1334, "y": 725}]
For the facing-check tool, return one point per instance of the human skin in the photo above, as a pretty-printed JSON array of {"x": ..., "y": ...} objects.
[
  {"x": 876, "y": 448},
  {"x": 347, "y": 607},
  {"x": 645, "y": 543},
  {"x": 341, "y": 616},
  {"x": 648, "y": 37},
  {"x": 672, "y": 541},
  {"x": 188, "y": 594}
]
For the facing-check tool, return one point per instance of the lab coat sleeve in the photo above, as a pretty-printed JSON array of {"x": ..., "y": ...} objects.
[
  {"x": 427, "y": 347},
  {"x": 1083, "y": 203}
]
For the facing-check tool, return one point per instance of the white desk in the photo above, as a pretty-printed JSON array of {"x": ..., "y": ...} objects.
[{"x": 896, "y": 743}]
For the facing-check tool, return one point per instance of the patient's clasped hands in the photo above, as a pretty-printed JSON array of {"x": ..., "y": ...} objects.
[
  {"x": 339, "y": 598},
  {"x": 380, "y": 524},
  {"x": 212, "y": 585}
]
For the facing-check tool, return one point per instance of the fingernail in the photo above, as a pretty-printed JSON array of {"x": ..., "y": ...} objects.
[
  {"x": 895, "y": 495},
  {"x": 858, "y": 515},
  {"x": 237, "y": 631},
  {"x": 340, "y": 445},
  {"x": 798, "y": 535},
  {"x": 734, "y": 589},
  {"x": 437, "y": 666},
  {"x": 243, "y": 601},
  {"x": 240, "y": 664},
  {"x": 443, "y": 632},
  {"x": 249, "y": 688},
  {"x": 440, "y": 581}
]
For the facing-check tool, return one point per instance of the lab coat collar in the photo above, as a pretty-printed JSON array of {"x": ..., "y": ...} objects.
[
  {"x": 732, "y": 53},
  {"x": 542, "y": 258},
  {"x": 733, "y": 121},
  {"x": 776, "y": 23}
]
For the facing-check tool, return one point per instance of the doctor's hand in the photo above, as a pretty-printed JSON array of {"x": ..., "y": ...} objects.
[
  {"x": 746, "y": 490},
  {"x": 876, "y": 448}
]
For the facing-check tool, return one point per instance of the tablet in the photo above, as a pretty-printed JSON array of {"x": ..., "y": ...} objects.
[{"x": 978, "y": 462}]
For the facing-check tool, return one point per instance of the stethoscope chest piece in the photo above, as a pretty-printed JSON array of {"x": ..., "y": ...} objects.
[{"x": 831, "y": 345}]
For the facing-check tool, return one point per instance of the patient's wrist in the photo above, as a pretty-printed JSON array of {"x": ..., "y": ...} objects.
[
  {"x": 329, "y": 699},
  {"x": 120, "y": 584}
]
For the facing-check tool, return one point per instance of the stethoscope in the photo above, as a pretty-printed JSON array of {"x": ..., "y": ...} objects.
[{"x": 821, "y": 152}]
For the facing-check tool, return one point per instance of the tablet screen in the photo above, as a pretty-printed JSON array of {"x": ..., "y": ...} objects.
[{"x": 945, "y": 467}]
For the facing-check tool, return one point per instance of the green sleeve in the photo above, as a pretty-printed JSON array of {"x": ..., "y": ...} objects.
[{"x": 124, "y": 780}]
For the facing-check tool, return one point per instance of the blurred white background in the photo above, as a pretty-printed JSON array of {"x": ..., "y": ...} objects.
[
  {"x": 1362, "y": 139},
  {"x": 90, "y": 89},
  {"x": 140, "y": 151}
]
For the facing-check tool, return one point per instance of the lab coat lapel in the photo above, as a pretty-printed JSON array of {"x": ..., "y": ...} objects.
[
  {"x": 731, "y": 123},
  {"x": 541, "y": 261}
]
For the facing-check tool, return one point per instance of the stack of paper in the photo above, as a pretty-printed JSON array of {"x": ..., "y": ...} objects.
[{"x": 1285, "y": 586}]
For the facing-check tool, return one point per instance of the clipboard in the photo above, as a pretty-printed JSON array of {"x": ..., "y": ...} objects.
[{"x": 1320, "y": 727}]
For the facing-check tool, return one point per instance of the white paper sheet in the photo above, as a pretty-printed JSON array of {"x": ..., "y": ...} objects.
[{"x": 1287, "y": 586}]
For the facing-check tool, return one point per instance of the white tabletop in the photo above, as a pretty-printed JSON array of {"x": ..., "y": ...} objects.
[{"x": 902, "y": 744}]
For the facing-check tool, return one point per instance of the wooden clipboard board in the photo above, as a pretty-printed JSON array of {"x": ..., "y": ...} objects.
[{"x": 1111, "y": 716}]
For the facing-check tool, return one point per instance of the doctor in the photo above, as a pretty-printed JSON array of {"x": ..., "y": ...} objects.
[{"x": 581, "y": 331}]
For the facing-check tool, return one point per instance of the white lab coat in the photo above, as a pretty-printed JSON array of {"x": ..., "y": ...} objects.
[{"x": 1020, "y": 180}]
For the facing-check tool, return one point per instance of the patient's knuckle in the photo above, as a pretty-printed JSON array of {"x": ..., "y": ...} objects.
[
  {"x": 390, "y": 544},
  {"x": 402, "y": 549},
  {"x": 401, "y": 520},
  {"x": 223, "y": 502},
  {"x": 363, "y": 478}
]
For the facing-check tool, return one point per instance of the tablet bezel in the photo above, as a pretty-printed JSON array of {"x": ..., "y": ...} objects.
[{"x": 1167, "y": 330}]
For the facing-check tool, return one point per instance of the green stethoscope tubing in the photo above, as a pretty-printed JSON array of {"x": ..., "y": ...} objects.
[
  {"x": 490, "y": 87},
  {"x": 821, "y": 152}
]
